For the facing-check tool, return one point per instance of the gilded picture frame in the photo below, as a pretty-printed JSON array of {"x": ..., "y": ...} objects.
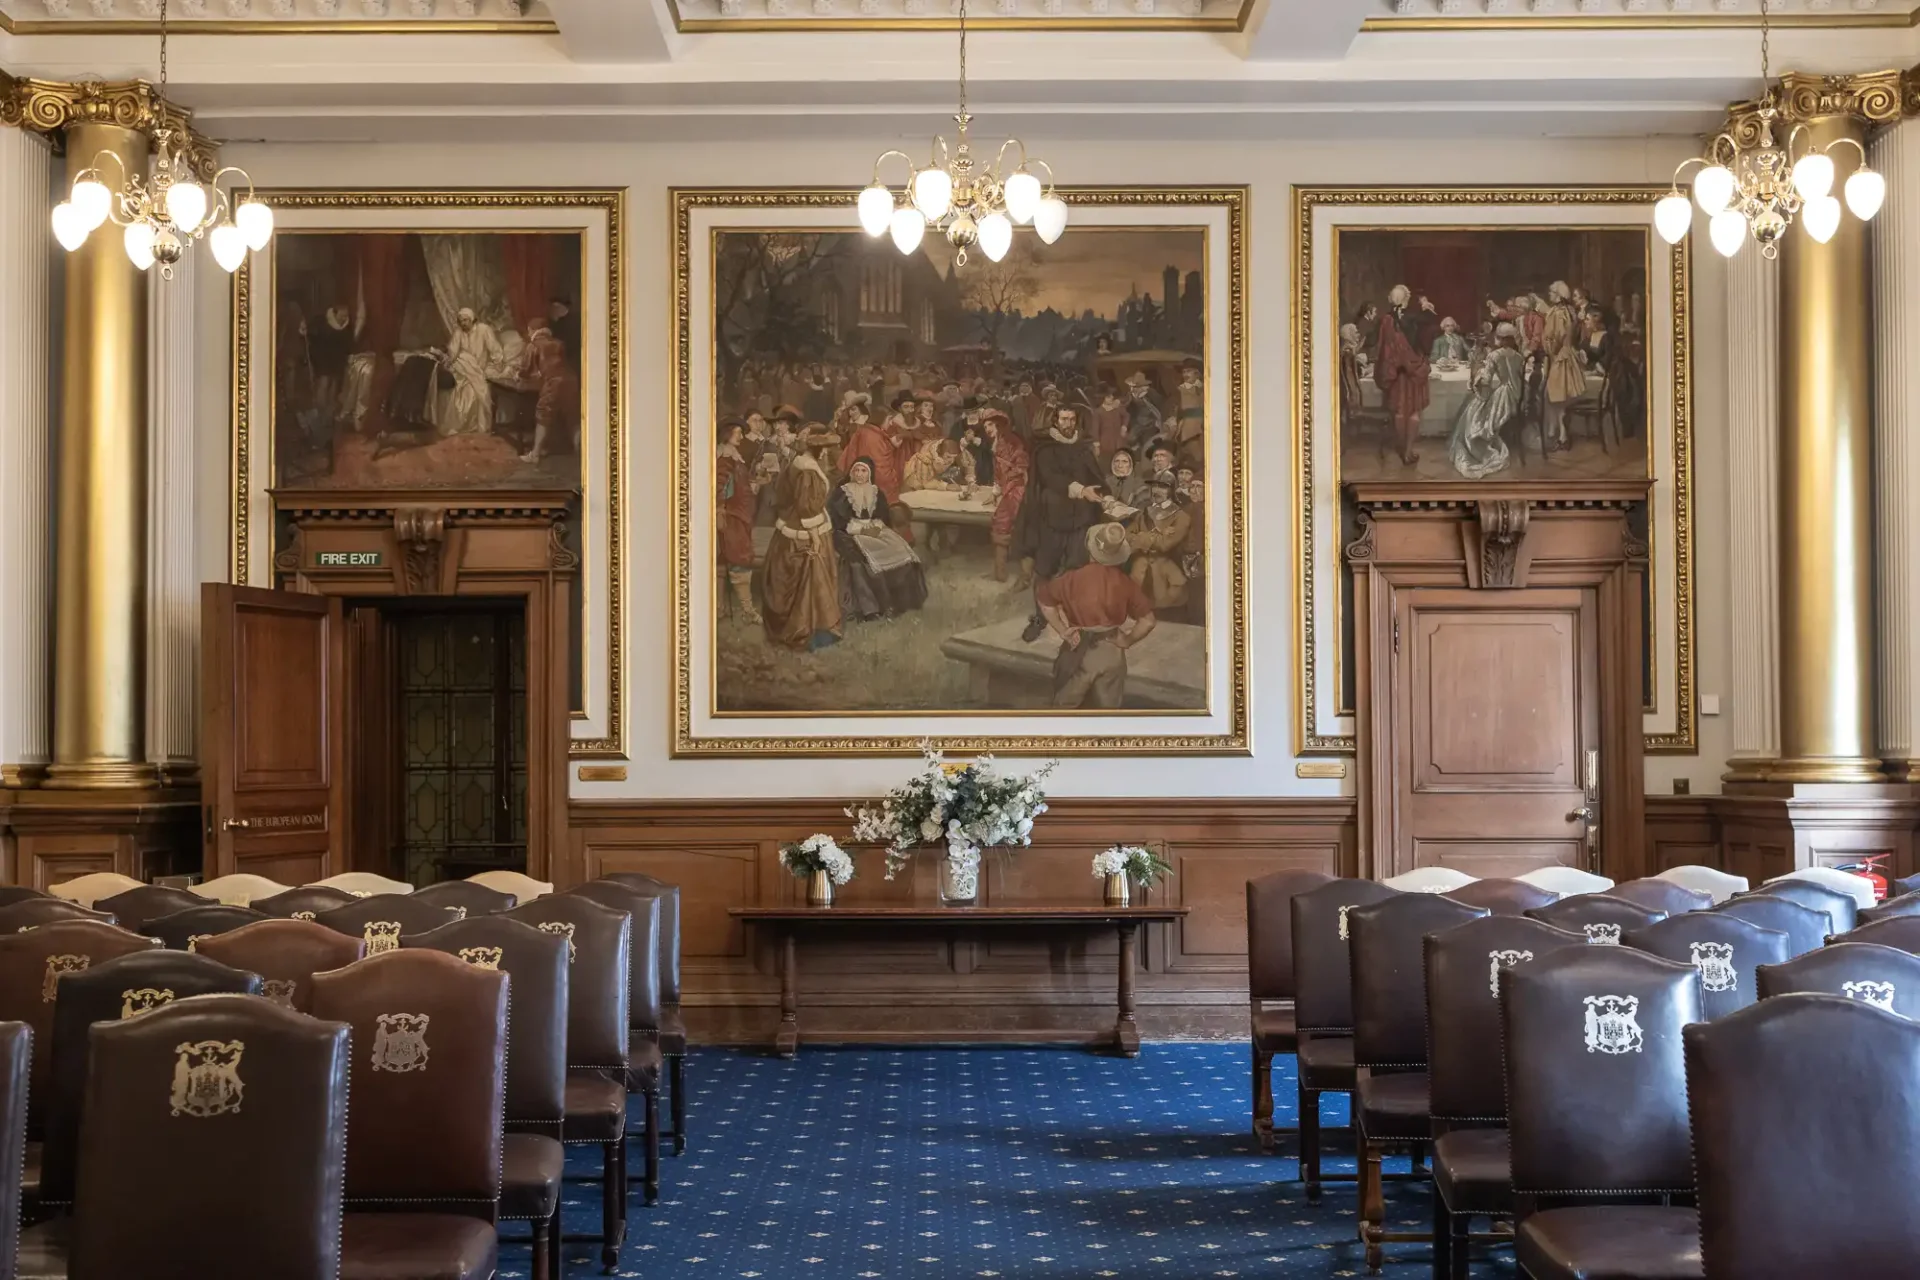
[
  {"x": 701, "y": 728},
  {"x": 1322, "y": 725},
  {"x": 597, "y": 216}
]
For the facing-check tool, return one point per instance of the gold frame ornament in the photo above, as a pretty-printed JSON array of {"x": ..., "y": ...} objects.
[
  {"x": 502, "y": 205},
  {"x": 1308, "y": 739},
  {"x": 1227, "y": 209}
]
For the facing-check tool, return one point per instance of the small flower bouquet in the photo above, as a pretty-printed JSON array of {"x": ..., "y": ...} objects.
[
  {"x": 969, "y": 806},
  {"x": 824, "y": 864},
  {"x": 1121, "y": 864}
]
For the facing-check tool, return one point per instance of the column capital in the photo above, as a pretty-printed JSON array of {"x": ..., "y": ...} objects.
[
  {"x": 54, "y": 106},
  {"x": 1869, "y": 97}
]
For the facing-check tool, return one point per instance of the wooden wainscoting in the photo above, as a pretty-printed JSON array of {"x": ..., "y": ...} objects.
[{"x": 873, "y": 985}]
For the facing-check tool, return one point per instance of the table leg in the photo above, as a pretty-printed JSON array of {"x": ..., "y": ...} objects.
[
  {"x": 787, "y": 1042},
  {"x": 1126, "y": 1034}
]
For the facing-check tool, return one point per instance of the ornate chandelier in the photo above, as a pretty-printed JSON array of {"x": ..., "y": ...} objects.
[
  {"x": 968, "y": 205},
  {"x": 166, "y": 210},
  {"x": 1758, "y": 188}
]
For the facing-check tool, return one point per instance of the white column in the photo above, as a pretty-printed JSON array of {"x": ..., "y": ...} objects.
[
  {"x": 173, "y": 577},
  {"x": 28, "y": 336},
  {"x": 1753, "y": 416},
  {"x": 1896, "y": 421}
]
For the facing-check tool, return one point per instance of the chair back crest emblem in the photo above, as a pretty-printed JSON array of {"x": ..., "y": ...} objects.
[
  {"x": 1877, "y": 994},
  {"x": 206, "y": 1078},
  {"x": 1602, "y": 935},
  {"x": 279, "y": 990},
  {"x": 565, "y": 929},
  {"x": 482, "y": 957},
  {"x": 59, "y": 967},
  {"x": 400, "y": 1042},
  {"x": 194, "y": 940},
  {"x": 1613, "y": 1024},
  {"x": 459, "y": 913},
  {"x": 1714, "y": 960},
  {"x": 304, "y": 915},
  {"x": 141, "y": 1000},
  {"x": 381, "y": 936},
  {"x": 1498, "y": 960},
  {"x": 1343, "y": 922}
]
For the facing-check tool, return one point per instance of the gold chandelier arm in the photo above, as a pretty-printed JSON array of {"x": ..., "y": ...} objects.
[
  {"x": 1857, "y": 145},
  {"x": 1041, "y": 164},
  {"x": 938, "y": 155},
  {"x": 1723, "y": 150},
  {"x": 1678, "y": 169},
  {"x": 1001, "y": 155},
  {"x": 877, "y": 162}
]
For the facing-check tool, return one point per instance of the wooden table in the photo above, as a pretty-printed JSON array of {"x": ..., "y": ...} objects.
[{"x": 788, "y": 922}]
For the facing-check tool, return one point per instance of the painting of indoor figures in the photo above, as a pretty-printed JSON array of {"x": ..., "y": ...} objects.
[
  {"x": 427, "y": 360},
  {"x": 1505, "y": 353}
]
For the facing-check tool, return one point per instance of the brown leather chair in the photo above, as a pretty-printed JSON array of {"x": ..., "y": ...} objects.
[
  {"x": 599, "y": 967},
  {"x": 1323, "y": 1008},
  {"x": 124, "y": 987},
  {"x": 258, "y": 1101},
  {"x": 286, "y": 954},
  {"x": 305, "y": 902},
  {"x": 1270, "y": 982},
  {"x": 1725, "y": 949},
  {"x": 673, "y": 1025},
  {"x": 1597, "y": 1115},
  {"x": 1603, "y": 920},
  {"x": 186, "y": 930},
  {"x": 428, "y": 1083},
  {"x": 382, "y": 919},
  {"x": 134, "y": 908},
  {"x": 1841, "y": 908},
  {"x": 1503, "y": 897},
  {"x": 475, "y": 899},
  {"x": 1885, "y": 977},
  {"x": 1905, "y": 885},
  {"x": 1661, "y": 895},
  {"x": 533, "y": 1159},
  {"x": 1901, "y": 931},
  {"x": 16, "y": 1065},
  {"x": 31, "y": 913},
  {"x": 1907, "y": 904},
  {"x": 1804, "y": 1110},
  {"x": 644, "y": 1008},
  {"x": 1806, "y": 929},
  {"x": 1466, "y": 1097},
  {"x": 12, "y": 893},
  {"x": 1387, "y": 944}
]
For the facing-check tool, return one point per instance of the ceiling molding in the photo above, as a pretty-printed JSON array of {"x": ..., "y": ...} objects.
[
  {"x": 794, "y": 16},
  {"x": 284, "y": 18},
  {"x": 1636, "y": 15}
]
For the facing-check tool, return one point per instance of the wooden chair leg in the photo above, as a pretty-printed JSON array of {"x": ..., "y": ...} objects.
[
  {"x": 1310, "y": 1140},
  {"x": 1461, "y": 1245},
  {"x": 677, "y": 1066},
  {"x": 1373, "y": 1208},
  {"x": 556, "y": 1262},
  {"x": 613, "y": 1205},
  {"x": 652, "y": 1182},
  {"x": 542, "y": 1255},
  {"x": 1442, "y": 1238},
  {"x": 1263, "y": 1098}
]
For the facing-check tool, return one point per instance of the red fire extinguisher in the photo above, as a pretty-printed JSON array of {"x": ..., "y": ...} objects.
[{"x": 1871, "y": 870}]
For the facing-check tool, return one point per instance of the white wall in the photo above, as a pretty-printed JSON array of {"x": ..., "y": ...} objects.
[{"x": 1270, "y": 168}]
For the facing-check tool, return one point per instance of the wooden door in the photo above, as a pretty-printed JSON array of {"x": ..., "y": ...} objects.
[
  {"x": 1496, "y": 728},
  {"x": 271, "y": 749}
]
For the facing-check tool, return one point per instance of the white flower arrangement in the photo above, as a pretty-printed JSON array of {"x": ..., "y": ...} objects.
[
  {"x": 1135, "y": 860},
  {"x": 970, "y": 806},
  {"x": 817, "y": 853}
]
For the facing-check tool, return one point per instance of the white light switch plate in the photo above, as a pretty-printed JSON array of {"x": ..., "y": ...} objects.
[{"x": 1709, "y": 704}]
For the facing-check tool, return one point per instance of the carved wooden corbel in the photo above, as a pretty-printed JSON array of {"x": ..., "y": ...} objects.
[
  {"x": 1503, "y": 527},
  {"x": 559, "y": 556},
  {"x": 421, "y": 534},
  {"x": 1361, "y": 548}
]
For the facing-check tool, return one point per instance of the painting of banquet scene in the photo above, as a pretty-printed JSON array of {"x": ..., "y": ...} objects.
[{"x": 948, "y": 487}]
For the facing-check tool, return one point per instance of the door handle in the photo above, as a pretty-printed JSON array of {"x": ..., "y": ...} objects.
[
  {"x": 1582, "y": 814},
  {"x": 235, "y": 824}
]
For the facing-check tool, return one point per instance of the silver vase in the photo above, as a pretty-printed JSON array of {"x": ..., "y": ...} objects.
[
  {"x": 819, "y": 889},
  {"x": 1119, "y": 890}
]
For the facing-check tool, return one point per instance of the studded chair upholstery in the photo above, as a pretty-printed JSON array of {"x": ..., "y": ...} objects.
[
  {"x": 1841, "y": 908},
  {"x": 380, "y": 920},
  {"x": 1504, "y": 897},
  {"x": 536, "y": 967},
  {"x": 1387, "y": 945},
  {"x": 1603, "y": 919},
  {"x": 1725, "y": 949},
  {"x": 1323, "y": 1007},
  {"x": 673, "y": 1025},
  {"x": 16, "y": 1065},
  {"x": 303, "y": 903},
  {"x": 1662, "y": 895},
  {"x": 1798, "y": 1177},
  {"x": 136, "y": 907},
  {"x": 1906, "y": 904},
  {"x": 428, "y": 1082},
  {"x": 644, "y": 1008},
  {"x": 1901, "y": 931},
  {"x": 12, "y": 893},
  {"x": 286, "y": 954},
  {"x": 1270, "y": 981},
  {"x": 1806, "y": 929},
  {"x": 599, "y": 968},
  {"x": 476, "y": 899},
  {"x": 34, "y": 912},
  {"x": 1467, "y": 1099},
  {"x": 186, "y": 930},
  {"x": 125, "y": 987},
  {"x": 1597, "y": 1113},
  {"x": 1884, "y": 977}
]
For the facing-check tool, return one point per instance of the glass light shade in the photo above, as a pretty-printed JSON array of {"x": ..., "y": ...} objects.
[
  {"x": 91, "y": 197},
  {"x": 876, "y": 209},
  {"x": 229, "y": 246},
  {"x": 1729, "y": 231},
  {"x": 1022, "y": 192},
  {"x": 1672, "y": 217},
  {"x": 1866, "y": 192},
  {"x": 186, "y": 205},
  {"x": 933, "y": 193},
  {"x": 907, "y": 227},
  {"x": 1713, "y": 189},
  {"x": 996, "y": 236},
  {"x": 139, "y": 242},
  {"x": 1050, "y": 219},
  {"x": 1822, "y": 218},
  {"x": 255, "y": 221},
  {"x": 69, "y": 226},
  {"x": 1813, "y": 175}
]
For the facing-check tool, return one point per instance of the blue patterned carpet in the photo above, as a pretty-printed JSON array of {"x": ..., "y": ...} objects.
[{"x": 1055, "y": 1164}]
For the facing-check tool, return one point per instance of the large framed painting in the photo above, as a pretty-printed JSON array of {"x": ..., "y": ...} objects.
[
  {"x": 1482, "y": 337},
  {"x": 408, "y": 343},
  {"x": 995, "y": 505}
]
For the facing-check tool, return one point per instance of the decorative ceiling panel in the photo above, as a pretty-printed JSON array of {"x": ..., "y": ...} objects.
[
  {"x": 1442, "y": 15},
  {"x": 126, "y": 17},
  {"x": 982, "y": 15}
]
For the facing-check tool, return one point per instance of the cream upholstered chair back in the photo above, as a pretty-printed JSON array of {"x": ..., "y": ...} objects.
[
  {"x": 238, "y": 890},
  {"x": 1566, "y": 881},
  {"x": 1717, "y": 884},
  {"x": 523, "y": 888},
  {"x": 363, "y": 884},
  {"x": 1859, "y": 888},
  {"x": 1429, "y": 880},
  {"x": 88, "y": 889}
]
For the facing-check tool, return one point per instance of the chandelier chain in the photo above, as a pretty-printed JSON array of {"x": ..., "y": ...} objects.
[
  {"x": 164, "y": 5},
  {"x": 1766, "y": 45},
  {"x": 963, "y": 59}
]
